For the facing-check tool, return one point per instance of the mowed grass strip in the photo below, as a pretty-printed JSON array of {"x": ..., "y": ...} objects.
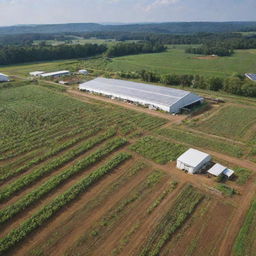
[
  {"x": 231, "y": 122},
  {"x": 158, "y": 150},
  {"x": 52, "y": 183},
  {"x": 175, "y": 217},
  {"x": 193, "y": 139},
  {"x": 245, "y": 243},
  {"x": 7, "y": 173},
  {"x": 26, "y": 180},
  {"x": 39, "y": 218}
]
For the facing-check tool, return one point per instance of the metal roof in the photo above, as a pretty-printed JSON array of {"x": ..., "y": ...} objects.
[
  {"x": 217, "y": 169},
  {"x": 1, "y": 74},
  {"x": 193, "y": 157},
  {"x": 228, "y": 172},
  {"x": 36, "y": 73},
  {"x": 251, "y": 76},
  {"x": 62, "y": 72},
  {"x": 138, "y": 91}
]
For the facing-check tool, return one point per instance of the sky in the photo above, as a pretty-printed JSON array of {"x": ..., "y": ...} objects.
[{"x": 123, "y": 11}]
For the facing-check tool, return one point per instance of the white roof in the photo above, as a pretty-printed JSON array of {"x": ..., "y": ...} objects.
[
  {"x": 217, "y": 169},
  {"x": 228, "y": 172},
  {"x": 1, "y": 74},
  {"x": 36, "y": 73},
  {"x": 140, "y": 92},
  {"x": 193, "y": 157},
  {"x": 62, "y": 72}
]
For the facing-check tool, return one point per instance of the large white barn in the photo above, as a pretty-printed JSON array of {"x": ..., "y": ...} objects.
[
  {"x": 4, "y": 78},
  {"x": 193, "y": 160},
  {"x": 153, "y": 96}
]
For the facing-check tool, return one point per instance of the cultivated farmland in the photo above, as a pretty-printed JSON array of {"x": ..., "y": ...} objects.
[{"x": 102, "y": 178}]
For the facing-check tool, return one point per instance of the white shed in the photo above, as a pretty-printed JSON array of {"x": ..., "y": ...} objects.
[
  {"x": 4, "y": 78},
  {"x": 219, "y": 169},
  {"x": 36, "y": 73},
  {"x": 193, "y": 160},
  {"x": 83, "y": 72}
]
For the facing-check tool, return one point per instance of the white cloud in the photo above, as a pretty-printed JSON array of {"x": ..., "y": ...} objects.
[{"x": 159, "y": 3}]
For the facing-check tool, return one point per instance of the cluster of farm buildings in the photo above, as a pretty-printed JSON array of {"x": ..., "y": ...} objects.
[{"x": 194, "y": 161}]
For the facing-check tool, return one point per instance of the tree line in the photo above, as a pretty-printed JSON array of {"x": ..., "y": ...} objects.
[
  {"x": 236, "y": 84},
  {"x": 21, "y": 54}
]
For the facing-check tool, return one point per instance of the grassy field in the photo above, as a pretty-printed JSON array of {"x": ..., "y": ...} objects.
[
  {"x": 245, "y": 242},
  {"x": 234, "y": 122},
  {"x": 175, "y": 60}
]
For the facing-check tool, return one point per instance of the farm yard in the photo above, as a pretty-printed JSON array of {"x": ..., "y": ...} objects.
[{"x": 101, "y": 176}]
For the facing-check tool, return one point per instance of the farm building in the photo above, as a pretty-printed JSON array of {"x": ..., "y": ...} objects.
[
  {"x": 251, "y": 76},
  {"x": 219, "y": 169},
  {"x": 36, "y": 73},
  {"x": 152, "y": 96},
  {"x": 56, "y": 74},
  {"x": 4, "y": 78},
  {"x": 193, "y": 160},
  {"x": 83, "y": 72}
]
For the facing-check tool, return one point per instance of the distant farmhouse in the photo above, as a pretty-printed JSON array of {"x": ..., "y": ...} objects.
[
  {"x": 4, "y": 78},
  {"x": 152, "y": 96}
]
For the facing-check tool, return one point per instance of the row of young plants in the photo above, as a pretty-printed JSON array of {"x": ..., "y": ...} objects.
[
  {"x": 32, "y": 197},
  {"x": 106, "y": 223},
  {"x": 6, "y": 173},
  {"x": 87, "y": 210},
  {"x": 42, "y": 141},
  {"x": 160, "y": 151},
  {"x": 182, "y": 208},
  {"x": 39, "y": 218},
  {"x": 26, "y": 180}
]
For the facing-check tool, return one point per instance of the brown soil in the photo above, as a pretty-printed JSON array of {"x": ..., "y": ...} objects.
[{"x": 71, "y": 222}]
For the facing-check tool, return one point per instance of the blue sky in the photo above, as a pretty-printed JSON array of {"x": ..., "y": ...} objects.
[{"x": 124, "y": 11}]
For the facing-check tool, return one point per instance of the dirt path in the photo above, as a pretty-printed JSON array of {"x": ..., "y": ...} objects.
[
  {"x": 237, "y": 222},
  {"x": 83, "y": 95}
]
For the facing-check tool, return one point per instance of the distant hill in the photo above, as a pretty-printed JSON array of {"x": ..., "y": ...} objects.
[{"x": 168, "y": 27}]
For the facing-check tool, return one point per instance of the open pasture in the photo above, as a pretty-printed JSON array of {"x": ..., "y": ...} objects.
[{"x": 175, "y": 60}]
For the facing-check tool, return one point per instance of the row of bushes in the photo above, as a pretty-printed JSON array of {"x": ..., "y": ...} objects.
[
  {"x": 52, "y": 183},
  {"x": 236, "y": 84},
  {"x": 39, "y": 218},
  {"x": 24, "y": 181},
  {"x": 53, "y": 151}
]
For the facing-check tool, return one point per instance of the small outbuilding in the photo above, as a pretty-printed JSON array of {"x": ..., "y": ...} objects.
[
  {"x": 219, "y": 169},
  {"x": 36, "y": 73},
  {"x": 4, "y": 78},
  {"x": 193, "y": 160},
  {"x": 83, "y": 72},
  {"x": 56, "y": 74}
]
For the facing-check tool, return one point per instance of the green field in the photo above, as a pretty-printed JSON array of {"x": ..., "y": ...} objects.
[
  {"x": 232, "y": 122},
  {"x": 175, "y": 60},
  {"x": 245, "y": 243}
]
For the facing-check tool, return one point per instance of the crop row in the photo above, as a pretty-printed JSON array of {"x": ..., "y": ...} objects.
[
  {"x": 55, "y": 205},
  {"x": 51, "y": 153},
  {"x": 88, "y": 208},
  {"x": 158, "y": 150},
  {"x": 218, "y": 145},
  {"x": 107, "y": 222},
  {"x": 182, "y": 208},
  {"x": 52, "y": 183},
  {"x": 28, "y": 179}
]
